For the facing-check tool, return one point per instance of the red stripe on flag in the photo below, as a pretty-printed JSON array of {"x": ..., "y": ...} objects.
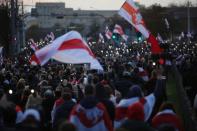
[
  {"x": 75, "y": 44},
  {"x": 155, "y": 48},
  {"x": 34, "y": 59},
  {"x": 132, "y": 11},
  {"x": 119, "y": 30}
]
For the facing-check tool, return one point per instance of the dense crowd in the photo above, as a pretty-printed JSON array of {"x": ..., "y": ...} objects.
[{"x": 128, "y": 95}]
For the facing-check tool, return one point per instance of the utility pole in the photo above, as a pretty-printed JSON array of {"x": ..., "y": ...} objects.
[
  {"x": 13, "y": 44},
  {"x": 22, "y": 30}
]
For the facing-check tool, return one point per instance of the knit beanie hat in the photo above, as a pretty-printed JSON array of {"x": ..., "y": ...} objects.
[{"x": 136, "y": 111}]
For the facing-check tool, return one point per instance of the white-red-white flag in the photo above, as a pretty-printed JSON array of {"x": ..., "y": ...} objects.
[
  {"x": 52, "y": 36},
  {"x": 118, "y": 29},
  {"x": 167, "y": 23},
  {"x": 130, "y": 12},
  {"x": 108, "y": 33},
  {"x": 33, "y": 45},
  {"x": 91, "y": 119},
  {"x": 159, "y": 38},
  {"x": 121, "y": 113},
  {"x": 101, "y": 38},
  {"x": 69, "y": 48}
]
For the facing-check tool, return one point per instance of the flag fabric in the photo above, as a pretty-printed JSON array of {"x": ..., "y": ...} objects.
[
  {"x": 159, "y": 38},
  {"x": 89, "y": 39},
  {"x": 118, "y": 29},
  {"x": 189, "y": 35},
  {"x": 122, "y": 108},
  {"x": 19, "y": 114},
  {"x": 92, "y": 119},
  {"x": 130, "y": 12},
  {"x": 68, "y": 48},
  {"x": 46, "y": 38},
  {"x": 33, "y": 45},
  {"x": 143, "y": 74},
  {"x": 101, "y": 38},
  {"x": 108, "y": 33},
  {"x": 181, "y": 36},
  {"x": 167, "y": 23},
  {"x": 52, "y": 36},
  {"x": 167, "y": 116},
  {"x": 1, "y": 55}
]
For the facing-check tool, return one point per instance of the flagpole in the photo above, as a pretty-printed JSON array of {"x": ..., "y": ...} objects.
[{"x": 188, "y": 20}]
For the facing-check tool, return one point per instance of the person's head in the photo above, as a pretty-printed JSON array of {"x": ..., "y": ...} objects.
[
  {"x": 166, "y": 105},
  {"x": 136, "y": 111},
  {"x": 66, "y": 126},
  {"x": 9, "y": 115},
  {"x": 31, "y": 118},
  {"x": 48, "y": 94},
  {"x": 103, "y": 91},
  {"x": 58, "y": 92},
  {"x": 1, "y": 93},
  {"x": 133, "y": 125},
  {"x": 121, "y": 129},
  {"x": 89, "y": 90},
  {"x": 21, "y": 84},
  {"x": 154, "y": 74},
  {"x": 135, "y": 91},
  {"x": 166, "y": 127},
  {"x": 66, "y": 93},
  {"x": 100, "y": 91}
]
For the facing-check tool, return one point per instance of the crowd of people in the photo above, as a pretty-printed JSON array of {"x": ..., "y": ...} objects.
[{"x": 129, "y": 95}]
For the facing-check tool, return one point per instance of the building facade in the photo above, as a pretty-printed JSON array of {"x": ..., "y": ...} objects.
[{"x": 55, "y": 15}]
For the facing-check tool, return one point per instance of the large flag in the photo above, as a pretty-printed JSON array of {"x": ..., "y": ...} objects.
[
  {"x": 118, "y": 29},
  {"x": 69, "y": 48},
  {"x": 108, "y": 33},
  {"x": 130, "y": 12}
]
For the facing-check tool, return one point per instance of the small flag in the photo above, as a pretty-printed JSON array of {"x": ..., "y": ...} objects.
[
  {"x": 108, "y": 33},
  {"x": 167, "y": 23},
  {"x": 159, "y": 38},
  {"x": 33, "y": 45},
  {"x": 101, "y": 38},
  {"x": 118, "y": 29}
]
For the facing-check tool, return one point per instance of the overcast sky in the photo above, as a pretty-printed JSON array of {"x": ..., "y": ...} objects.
[{"x": 103, "y": 4}]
